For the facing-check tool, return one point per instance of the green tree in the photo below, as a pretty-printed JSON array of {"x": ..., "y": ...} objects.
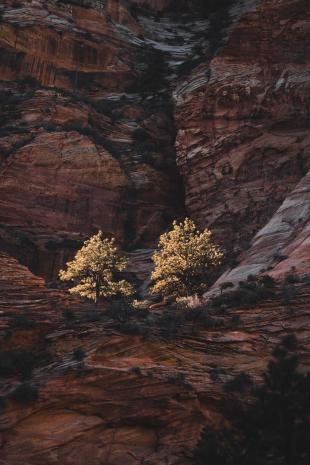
[
  {"x": 184, "y": 258},
  {"x": 273, "y": 426},
  {"x": 226, "y": 285},
  {"x": 94, "y": 270}
]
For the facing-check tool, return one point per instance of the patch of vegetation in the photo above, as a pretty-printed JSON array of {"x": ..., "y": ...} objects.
[
  {"x": 132, "y": 327},
  {"x": 202, "y": 316},
  {"x": 108, "y": 106},
  {"x": 239, "y": 383},
  {"x": 177, "y": 378},
  {"x": 292, "y": 278},
  {"x": 94, "y": 269},
  {"x": 182, "y": 261},
  {"x": 79, "y": 354},
  {"x": 289, "y": 293},
  {"x": 68, "y": 315},
  {"x": 66, "y": 243},
  {"x": 29, "y": 81},
  {"x": 271, "y": 426},
  {"x": 226, "y": 285},
  {"x": 248, "y": 293},
  {"x": 23, "y": 322},
  {"x": 135, "y": 370},
  {"x": 25, "y": 393},
  {"x": 17, "y": 362},
  {"x": 119, "y": 309},
  {"x": 90, "y": 316}
]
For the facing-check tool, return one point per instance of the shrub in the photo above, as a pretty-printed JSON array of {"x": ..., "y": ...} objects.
[
  {"x": 135, "y": 370},
  {"x": 267, "y": 281},
  {"x": 141, "y": 305},
  {"x": 79, "y": 354},
  {"x": 292, "y": 278},
  {"x": 90, "y": 316},
  {"x": 289, "y": 292},
  {"x": 170, "y": 321},
  {"x": 216, "y": 372},
  {"x": 119, "y": 309},
  {"x": 140, "y": 135},
  {"x": 271, "y": 429},
  {"x": 68, "y": 314},
  {"x": 131, "y": 327},
  {"x": 23, "y": 322},
  {"x": 226, "y": 285},
  {"x": 16, "y": 362},
  {"x": 239, "y": 383},
  {"x": 25, "y": 393},
  {"x": 201, "y": 316},
  {"x": 236, "y": 320},
  {"x": 176, "y": 378},
  {"x": 248, "y": 293},
  {"x": 190, "y": 302}
]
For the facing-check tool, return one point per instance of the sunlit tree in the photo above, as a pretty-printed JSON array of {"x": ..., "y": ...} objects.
[
  {"x": 94, "y": 270},
  {"x": 183, "y": 260}
]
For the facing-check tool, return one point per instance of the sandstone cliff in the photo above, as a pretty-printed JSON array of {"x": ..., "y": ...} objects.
[
  {"x": 243, "y": 127},
  {"x": 98, "y": 100},
  {"x": 142, "y": 392}
]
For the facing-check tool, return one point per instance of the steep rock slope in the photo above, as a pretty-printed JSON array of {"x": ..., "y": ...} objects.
[
  {"x": 243, "y": 123},
  {"x": 140, "y": 398},
  {"x": 282, "y": 246},
  {"x": 86, "y": 143},
  {"x": 87, "y": 137},
  {"x": 144, "y": 389}
]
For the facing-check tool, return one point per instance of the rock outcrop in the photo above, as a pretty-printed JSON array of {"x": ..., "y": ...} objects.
[
  {"x": 83, "y": 147},
  {"x": 243, "y": 123},
  {"x": 88, "y": 140},
  {"x": 140, "y": 397}
]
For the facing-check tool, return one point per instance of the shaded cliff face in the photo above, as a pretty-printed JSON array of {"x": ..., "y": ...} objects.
[
  {"x": 87, "y": 131},
  {"x": 88, "y": 141},
  {"x": 135, "y": 398},
  {"x": 243, "y": 123}
]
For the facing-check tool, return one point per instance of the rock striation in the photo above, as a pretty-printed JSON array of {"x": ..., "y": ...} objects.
[
  {"x": 98, "y": 98},
  {"x": 134, "y": 398},
  {"x": 83, "y": 147},
  {"x": 242, "y": 119}
]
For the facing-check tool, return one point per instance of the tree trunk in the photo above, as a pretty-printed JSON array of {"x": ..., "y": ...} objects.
[{"x": 97, "y": 296}]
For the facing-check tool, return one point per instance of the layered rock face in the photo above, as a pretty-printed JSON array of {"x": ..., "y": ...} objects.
[
  {"x": 243, "y": 123},
  {"x": 87, "y": 143},
  {"x": 78, "y": 153},
  {"x": 133, "y": 399}
]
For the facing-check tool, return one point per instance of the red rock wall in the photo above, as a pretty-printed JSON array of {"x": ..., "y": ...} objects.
[
  {"x": 134, "y": 398},
  {"x": 70, "y": 165},
  {"x": 243, "y": 129}
]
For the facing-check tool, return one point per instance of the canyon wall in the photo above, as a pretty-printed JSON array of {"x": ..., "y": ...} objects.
[
  {"x": 88, "y": 139},
  {"x": 81, "y": 148},
  {"x": 243, "y": 124},
  {"x": 142, "y": 392}
]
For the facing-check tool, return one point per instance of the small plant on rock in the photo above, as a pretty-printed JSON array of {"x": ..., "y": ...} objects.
[
  {"x": 94, "y": 269},
  {"x": 183, "y": 261}
]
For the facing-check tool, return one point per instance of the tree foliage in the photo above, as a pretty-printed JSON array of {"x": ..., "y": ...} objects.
[
  {"x": 274, "y": 427},
  {"x": 94, "y": 270},
  {"x": 183, "y": 259}
]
